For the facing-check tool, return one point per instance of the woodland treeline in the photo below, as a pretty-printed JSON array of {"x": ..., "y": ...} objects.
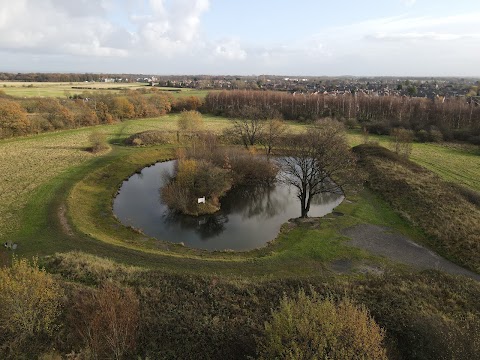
[
  {"x": 20, "y": 116},
  {"x": 60, "y": 77},
  {"x": 452, "y": 118}
]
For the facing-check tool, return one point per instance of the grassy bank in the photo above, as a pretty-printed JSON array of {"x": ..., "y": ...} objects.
[{"x": 451, "y": 220}]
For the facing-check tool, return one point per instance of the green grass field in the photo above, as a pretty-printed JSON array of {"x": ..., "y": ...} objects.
[
  {"x": 39, "y": 173},
  {"x": 458, "y": 163}
]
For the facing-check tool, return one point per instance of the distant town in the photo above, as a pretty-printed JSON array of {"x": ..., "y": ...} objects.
[{"x": 427, "y": 87}]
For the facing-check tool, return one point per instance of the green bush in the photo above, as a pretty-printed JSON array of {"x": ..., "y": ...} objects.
[
  {"x": 98, "y": 142},
  {"x": 190, "y": 121}
]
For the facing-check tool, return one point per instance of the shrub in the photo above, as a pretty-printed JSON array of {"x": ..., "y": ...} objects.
[
  {"x": 98, "y": 142},
  {"x": 378, "y": 128},
  {"x": 312, "y": 328},
  {"x": 422, "y": 136},
  {"x": 474, "y": 140},
  {"x": 107, "y": 321},
  {"x": 401, "y": 141},
  {"x": 29, "y": 304},
  {"x": 190, "y": 121},
  {"x": 151, "y": 137},
  {"x": 435, "y": 135}
]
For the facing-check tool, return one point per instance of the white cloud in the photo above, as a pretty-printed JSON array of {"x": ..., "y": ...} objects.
[
  {"x": 166, "y": 36},
  {"x": 173, "y": 26},
  {"x": 230, "y": 50},
  {"x": 53, "y": 26},
  {"x": 85, "y": 27},
  {"x": 408, "y": 2}
]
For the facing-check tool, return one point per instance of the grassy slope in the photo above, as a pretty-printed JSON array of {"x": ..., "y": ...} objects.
[
  {"x": 40, "y": 170},
  {"x": 55, "y": 162},
  {"x": 458, "y": 163},
  {"x": 451, "y": 222}
]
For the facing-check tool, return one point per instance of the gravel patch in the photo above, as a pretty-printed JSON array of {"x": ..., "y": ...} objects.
[{"x": 383, "y": 241}]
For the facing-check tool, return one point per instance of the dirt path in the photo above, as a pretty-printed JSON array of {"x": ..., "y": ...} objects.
[
  {"x": 62, "y": 215},
  {"x": 383, "y": 241}
]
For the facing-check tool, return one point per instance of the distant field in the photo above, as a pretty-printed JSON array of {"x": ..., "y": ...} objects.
[
  {"x": 459, "y": 164},
  {"x": 64, "y": 89}
]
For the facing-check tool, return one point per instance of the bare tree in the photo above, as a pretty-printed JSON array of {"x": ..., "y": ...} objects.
[
  {"x": 319, "y": 161},
  {"x": 249, "y": 130},
  {"x": 273, "y": 131},
  {"x": 401, "y": 141},
  {"x": 251, "y": 124}
]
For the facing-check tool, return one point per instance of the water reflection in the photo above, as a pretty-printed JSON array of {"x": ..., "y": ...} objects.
[
  {"x": 248, "y": 219},
  {"x": 206, "y": 226}
]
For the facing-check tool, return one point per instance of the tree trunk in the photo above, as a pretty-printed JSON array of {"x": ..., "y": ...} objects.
[
  {"x": 303, "y": 205},
  {"x": 307, "y": 207}
]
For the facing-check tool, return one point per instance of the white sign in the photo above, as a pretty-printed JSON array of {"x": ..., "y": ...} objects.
[{"x": 201, "y": 200}]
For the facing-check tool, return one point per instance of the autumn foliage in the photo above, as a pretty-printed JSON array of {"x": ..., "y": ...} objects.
[
  {"x": 107, "y": 321},
  {"x": 308, "y": 327},
  {"x": 37, "y": 115},
  {"x": 13, "y": 119},
  {"x": 30, "y": 305}
]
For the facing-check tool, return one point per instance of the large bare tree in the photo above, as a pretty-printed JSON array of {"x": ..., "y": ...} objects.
[
  {"x": 271, "y": 136},
  {"x": 319, "y": 161},
  {"x": 250, "y": 125}
]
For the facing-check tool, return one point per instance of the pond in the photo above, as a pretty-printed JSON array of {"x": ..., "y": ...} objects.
[{"x": 249, "y": 216}]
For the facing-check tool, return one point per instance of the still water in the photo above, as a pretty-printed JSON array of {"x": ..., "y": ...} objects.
[{"x": 248, "y": 218}]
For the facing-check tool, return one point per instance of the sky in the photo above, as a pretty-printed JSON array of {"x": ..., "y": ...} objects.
[{"x": 242, "y": 37}]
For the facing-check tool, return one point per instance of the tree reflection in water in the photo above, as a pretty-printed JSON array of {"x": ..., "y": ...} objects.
[
  {"x": 206, "y": 226},
  {"x": 254, "y": 201}
]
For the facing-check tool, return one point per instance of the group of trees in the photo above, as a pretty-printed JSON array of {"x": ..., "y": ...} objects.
[
  {"x": 315, "y": 161},
  {"x": 207, "y": 171},
  {"x": 36, "y": 115},
  {"x": 63, "y": 77},
  {"x": 453, "y": 117}
]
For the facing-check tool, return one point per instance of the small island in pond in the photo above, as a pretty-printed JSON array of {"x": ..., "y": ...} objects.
[{"x": 202, "y": 177}]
